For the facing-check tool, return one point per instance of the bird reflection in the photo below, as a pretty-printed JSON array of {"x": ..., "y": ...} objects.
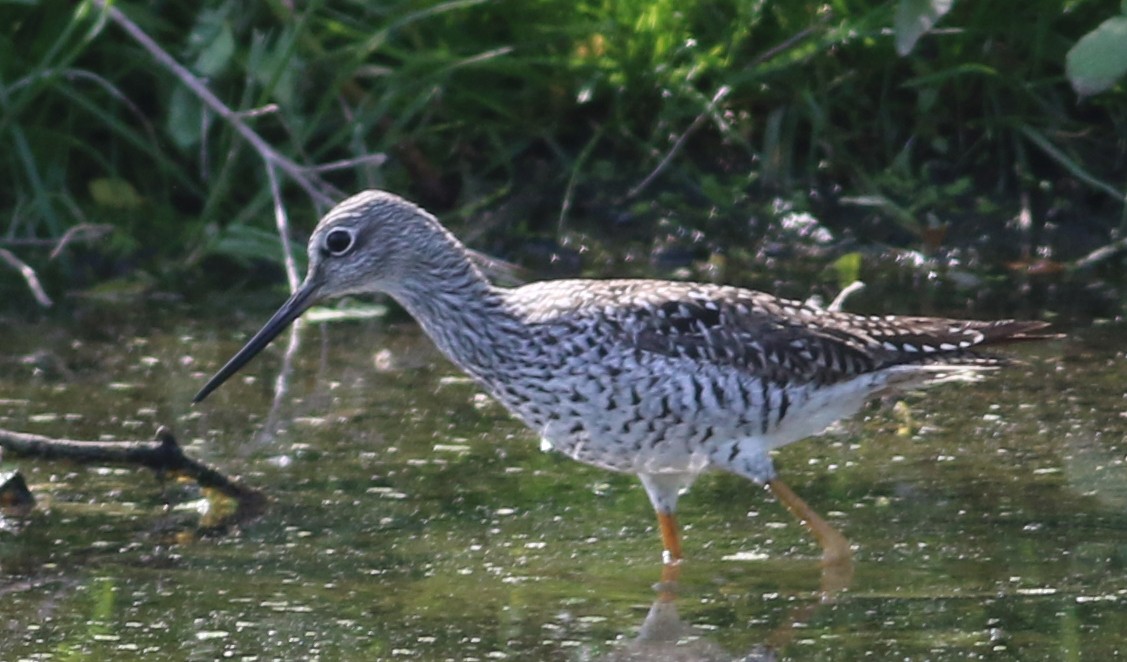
[{"x": 665, "y": 637}]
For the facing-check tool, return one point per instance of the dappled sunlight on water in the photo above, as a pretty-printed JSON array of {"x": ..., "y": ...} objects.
[{"x": 411, "y": 517}]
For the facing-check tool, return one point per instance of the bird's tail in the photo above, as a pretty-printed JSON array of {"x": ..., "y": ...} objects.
[{"x": 1008, "y": 331}]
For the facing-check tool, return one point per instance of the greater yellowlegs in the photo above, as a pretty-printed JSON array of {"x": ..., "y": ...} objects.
[{"x": 657, "y": 378}]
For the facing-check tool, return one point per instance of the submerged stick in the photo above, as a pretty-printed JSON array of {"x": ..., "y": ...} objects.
[{"x": 162, "y": 455}]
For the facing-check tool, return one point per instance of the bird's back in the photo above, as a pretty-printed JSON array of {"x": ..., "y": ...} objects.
[
  {"x": 763, "y": 335},
  {"x": 629, "y": 374}
]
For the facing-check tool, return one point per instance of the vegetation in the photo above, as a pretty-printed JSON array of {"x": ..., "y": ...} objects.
[{"x": 647, "y": 128}]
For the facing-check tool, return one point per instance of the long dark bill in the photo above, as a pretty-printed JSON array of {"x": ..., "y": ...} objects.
[{"x": 297, "y": 304}]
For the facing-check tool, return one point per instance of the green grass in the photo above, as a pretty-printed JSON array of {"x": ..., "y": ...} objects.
[{"x": 546, "y": 115}]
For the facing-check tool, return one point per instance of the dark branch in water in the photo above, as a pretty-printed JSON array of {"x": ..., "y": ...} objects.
[{"x": 163, "y": 455}]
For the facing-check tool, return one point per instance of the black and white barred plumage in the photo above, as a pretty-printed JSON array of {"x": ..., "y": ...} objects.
[{"x": 658, "y": 378}]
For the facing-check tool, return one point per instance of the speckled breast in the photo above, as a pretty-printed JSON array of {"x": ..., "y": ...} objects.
[{"x": 626, "y": 410}]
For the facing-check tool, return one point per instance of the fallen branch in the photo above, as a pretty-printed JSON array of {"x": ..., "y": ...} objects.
[{"x": 163, "y": 455}]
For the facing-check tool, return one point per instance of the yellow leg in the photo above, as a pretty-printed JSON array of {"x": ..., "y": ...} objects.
[
  {"x": 667, "y": 588},
  {"x": 835, "y": 548},
  {"x": 670, "y": 539},
  {"x": 671, "y": 568}
]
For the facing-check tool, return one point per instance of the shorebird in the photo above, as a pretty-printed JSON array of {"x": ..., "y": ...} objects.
[{"x": 661, "y": 379}]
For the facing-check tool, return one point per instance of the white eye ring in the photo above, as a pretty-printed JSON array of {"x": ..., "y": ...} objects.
[{"x": 339, "y": 241}]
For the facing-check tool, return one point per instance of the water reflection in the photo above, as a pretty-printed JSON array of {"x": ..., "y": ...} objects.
[
  {"x": 415, "y": 520},
  {"x": 269, "y": 430},
  {"x": 664, "y": 636}
]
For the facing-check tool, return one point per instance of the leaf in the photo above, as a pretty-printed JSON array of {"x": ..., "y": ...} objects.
[
  {"x": 1070, "y": 164},
  {"x": 104, "y": 593},
  {"x": 1099, "y": 59},
  {"x": 211, "y": 41},
  {"x": 246, "y": 243},
  {"x": 216, "y": 54},
  {"x": 114, "y": 193},
  {"x": 848, "y": 269},
  {"x": 902, "y": 216},
  {"x": 354, "y": 311},
  {"x": 914, "y": 18},
  {"x": 185, "y": 114},
  {"x": 276, "y": 66}
]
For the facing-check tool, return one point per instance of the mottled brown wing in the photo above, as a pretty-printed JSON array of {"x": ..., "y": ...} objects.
[
  {"x": 786, "y": 341},
  {"x": 765, "y": 345}
]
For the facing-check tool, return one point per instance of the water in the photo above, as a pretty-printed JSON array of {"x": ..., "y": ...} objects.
[{"x": 411, "y": 518}]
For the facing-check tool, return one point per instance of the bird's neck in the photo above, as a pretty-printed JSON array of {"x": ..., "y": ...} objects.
[{"x": 461, "y": 311}]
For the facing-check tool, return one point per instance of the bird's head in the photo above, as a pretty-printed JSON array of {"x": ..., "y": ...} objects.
[{"x": 368, "y": 243}]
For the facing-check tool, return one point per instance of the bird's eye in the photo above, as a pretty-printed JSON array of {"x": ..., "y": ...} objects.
[{"x": 338, "y": 242}]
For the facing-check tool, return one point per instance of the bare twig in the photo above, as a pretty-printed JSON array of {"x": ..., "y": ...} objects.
[
  {"x": 787, "y": 44},
  {"x": 251, "y": 113},
  {"x": 80, "y": 232},
  {"x": 105, "y": 85},
  {"x": 1100, "y": 254},
  {"x": 696, "y": 124},
  {"x": 367, "y": 159},
  {"x": 573, "y": 178},
  {"x": 322, "y": 193},
  {"x": 28, "y": 275},
  {"x": 839, "y": 301},
  {"x": 163, "y": 455},
  {"x": 312, "y": 185},
  {"x": 283, "y": 223},
  {"x": 1045, "y": 145}
]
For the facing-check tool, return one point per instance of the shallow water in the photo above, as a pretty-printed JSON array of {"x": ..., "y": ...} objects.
[{"x": 410, "y": 517}]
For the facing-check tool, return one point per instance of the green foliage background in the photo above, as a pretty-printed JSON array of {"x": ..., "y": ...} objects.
[{"x": 539, "y": 118}]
